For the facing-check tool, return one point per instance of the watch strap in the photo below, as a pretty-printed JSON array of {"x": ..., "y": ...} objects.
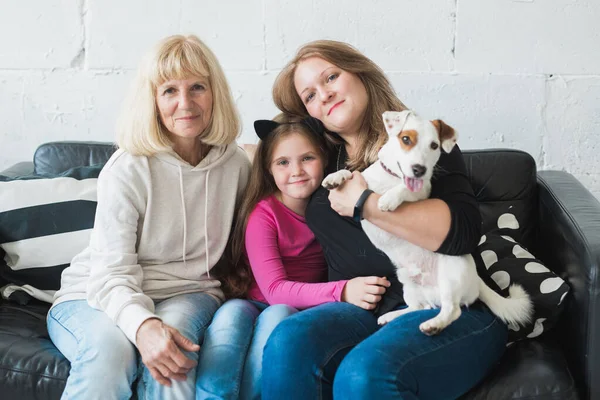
[{"x": 358, "y": 207}]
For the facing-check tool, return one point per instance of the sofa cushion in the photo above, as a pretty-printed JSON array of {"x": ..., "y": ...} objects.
[
  {"x": 44, "y": 222},
  {"x": 529, "y": 370},
  {"x": 507, "y": 262},
  {"x": 30, "y": 366}
]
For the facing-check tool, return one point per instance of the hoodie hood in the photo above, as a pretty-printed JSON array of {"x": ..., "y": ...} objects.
[{"x": 215, "y": 157}]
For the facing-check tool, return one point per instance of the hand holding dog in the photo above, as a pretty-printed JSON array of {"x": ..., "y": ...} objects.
[
  {"x": 365, "y": 291},
  {"x": 160, "y": 346},
  {"x": 344, "y": 197}
]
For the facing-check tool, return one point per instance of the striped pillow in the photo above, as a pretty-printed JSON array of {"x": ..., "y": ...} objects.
[{"x": 44, "y": 222}]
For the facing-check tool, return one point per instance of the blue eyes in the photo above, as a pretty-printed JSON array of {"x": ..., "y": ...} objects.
[{"x": 329, "y": 79}]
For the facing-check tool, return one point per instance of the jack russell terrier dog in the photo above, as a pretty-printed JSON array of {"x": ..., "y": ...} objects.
[{"x": 430, "y": 280}]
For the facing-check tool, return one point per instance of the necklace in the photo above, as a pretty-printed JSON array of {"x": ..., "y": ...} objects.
[{"x": 337, "y": 164}]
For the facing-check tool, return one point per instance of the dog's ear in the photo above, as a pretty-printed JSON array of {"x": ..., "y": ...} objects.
[
  {"x": 447, "y": 134},
  {"x": 394, "y": 121}
]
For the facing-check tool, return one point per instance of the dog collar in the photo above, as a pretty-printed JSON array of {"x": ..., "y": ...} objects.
[{"x": 389, "y": 171}]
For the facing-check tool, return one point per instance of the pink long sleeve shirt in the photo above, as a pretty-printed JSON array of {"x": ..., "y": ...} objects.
[{"x": 286, "y": 260}]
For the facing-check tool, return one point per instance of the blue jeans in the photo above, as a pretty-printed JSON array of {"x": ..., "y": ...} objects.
[
  {"x": 337, "y": 350},
  {"x": 230, "y": 365},
  {"x": 104, "y": 363}
]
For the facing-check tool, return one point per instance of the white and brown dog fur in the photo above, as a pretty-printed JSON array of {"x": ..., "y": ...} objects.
[{"x": 430, "y": 280}]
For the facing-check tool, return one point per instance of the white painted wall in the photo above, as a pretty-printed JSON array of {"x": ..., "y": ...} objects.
[{"x": 521, "y": 74}]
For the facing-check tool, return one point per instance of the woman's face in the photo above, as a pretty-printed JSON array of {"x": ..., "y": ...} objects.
[
  {"x": 336, "y": 97},
  {"x": 185, "y": 106}
]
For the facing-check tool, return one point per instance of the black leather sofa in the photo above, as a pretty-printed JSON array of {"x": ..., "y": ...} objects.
[{"x": 563, "y": 230}]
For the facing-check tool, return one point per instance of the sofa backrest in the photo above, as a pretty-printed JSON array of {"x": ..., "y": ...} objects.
[
  {"x": 505, "y": 184},
  {"x": 57, "y": 157},
  {"x": 504, "y": 181}
]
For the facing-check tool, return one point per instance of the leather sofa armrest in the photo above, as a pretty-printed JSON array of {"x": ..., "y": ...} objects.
[
  {"x": 19, "y": 169},
  {"x": 569, "y": 244},
  {"x": 3, "y": 282}
]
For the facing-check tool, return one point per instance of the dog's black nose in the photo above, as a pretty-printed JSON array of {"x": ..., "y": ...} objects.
[{"x": 419, "y": 170}]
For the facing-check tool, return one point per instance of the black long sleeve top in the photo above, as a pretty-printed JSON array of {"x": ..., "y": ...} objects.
[{"x": 350, "y": 253}]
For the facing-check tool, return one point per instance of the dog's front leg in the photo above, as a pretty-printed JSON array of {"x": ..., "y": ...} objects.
[
  {"x": 392, "y": 315},
  {"x": 449, "y": 310},
  {"x": 335, "y": 179},
  {"x": 392, "y": 199}
]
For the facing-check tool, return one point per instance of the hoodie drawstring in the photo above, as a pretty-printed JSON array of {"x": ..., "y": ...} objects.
[
  {"x": 184, "y": 215},
  {"x": 206, "y": 222}
]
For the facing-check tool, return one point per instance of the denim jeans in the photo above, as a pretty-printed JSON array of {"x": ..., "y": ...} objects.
[
  {"x": 337, "y": 350},
  {"x": 230, "y": 365},
  {"x": 104, "y": 363}
]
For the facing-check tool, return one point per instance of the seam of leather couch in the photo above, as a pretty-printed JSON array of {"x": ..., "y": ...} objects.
[
  {"x": 21, "y": 371},
  {"x": 23, "y": 310}
]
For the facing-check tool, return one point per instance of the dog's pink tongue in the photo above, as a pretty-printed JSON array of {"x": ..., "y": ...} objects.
[{"x": 413, "y": 184}]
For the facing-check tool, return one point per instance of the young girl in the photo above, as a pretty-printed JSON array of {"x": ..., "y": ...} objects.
[{"x": 287, "y": 264}]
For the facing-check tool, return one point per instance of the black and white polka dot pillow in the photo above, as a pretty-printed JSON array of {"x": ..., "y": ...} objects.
[{"x": 507, "y": 262}]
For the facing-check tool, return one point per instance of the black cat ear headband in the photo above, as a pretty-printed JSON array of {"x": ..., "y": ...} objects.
[{"x": 264, "y": 127}]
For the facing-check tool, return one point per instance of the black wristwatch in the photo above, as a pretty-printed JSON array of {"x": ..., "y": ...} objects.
[{"x": 357, "y": 216}]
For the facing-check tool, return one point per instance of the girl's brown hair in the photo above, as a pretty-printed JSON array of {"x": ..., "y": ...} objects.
[
  {"x": 381, "y": 94},
  {"x": 260, "y": 186}
]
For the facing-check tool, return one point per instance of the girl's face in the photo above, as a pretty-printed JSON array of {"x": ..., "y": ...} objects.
[
  {"x": 332, "y": 95},
  {"x": 297, "y": 167}
]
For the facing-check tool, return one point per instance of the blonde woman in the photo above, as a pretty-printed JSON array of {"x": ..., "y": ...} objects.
[
  {"x": 144, "y": 290},
  {"x": 337, "y": 349}
]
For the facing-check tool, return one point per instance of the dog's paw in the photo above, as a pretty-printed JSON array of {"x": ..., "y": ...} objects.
[
  {"x": 432, "y": 327},
  {"x": 334, "y": 180},
  {"x": 389, "y": 202},
  {"x": 387, "y": 317},
  {"x": 392, "y": 315}
]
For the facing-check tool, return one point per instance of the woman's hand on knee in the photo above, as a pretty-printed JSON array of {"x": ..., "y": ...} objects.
[
  {"x": 160, "y": 346},
  {"x": 365, "y": 291}
]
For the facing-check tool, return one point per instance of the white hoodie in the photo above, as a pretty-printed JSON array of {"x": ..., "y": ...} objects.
[{"x": 160, "y": 226}]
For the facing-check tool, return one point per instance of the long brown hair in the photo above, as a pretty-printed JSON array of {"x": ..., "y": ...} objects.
[
  {"x": 381, "y": 94},
  {"x": 262, "y": 185}
]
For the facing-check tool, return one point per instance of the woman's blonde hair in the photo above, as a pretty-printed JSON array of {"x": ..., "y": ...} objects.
[
  {"x": 140, "y": 130},
  {"x": 381, "y": 94},
  {"x": 262, "y": 185}
]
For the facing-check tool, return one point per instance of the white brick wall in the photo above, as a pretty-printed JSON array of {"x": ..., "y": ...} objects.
[{"x": 523, "y": 74}]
